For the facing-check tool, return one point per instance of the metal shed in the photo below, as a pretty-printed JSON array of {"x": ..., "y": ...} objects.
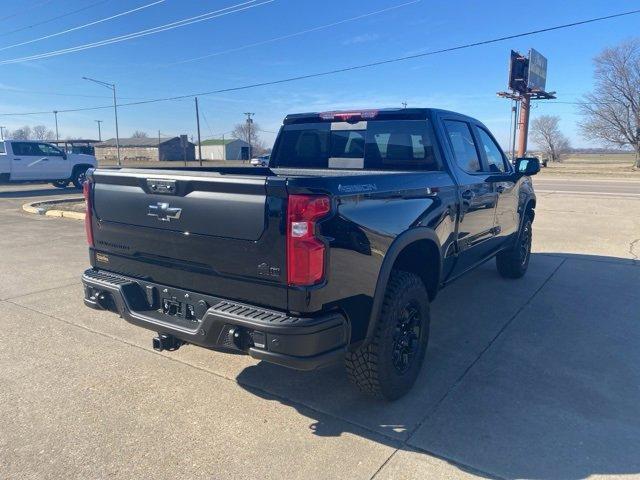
[{"x": 225, "y": 149}]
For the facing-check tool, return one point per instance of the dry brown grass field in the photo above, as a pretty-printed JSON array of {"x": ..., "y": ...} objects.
[{"x": 595, "y": 164}]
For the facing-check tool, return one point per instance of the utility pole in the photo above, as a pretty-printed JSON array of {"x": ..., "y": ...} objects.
[
  {"x": 198, "y": 123},
  {"x": 112, "y": 86},
  {"x": 55, "y": 113},
  {"x": 99, "y": 131},
  {"x": 249, "y": 131},
  {"x": 514, "y": 115},
  {"x": 2, "y": 132},
  {"x": 523, "y": 124},
  {"x": 115, "y": 111}
]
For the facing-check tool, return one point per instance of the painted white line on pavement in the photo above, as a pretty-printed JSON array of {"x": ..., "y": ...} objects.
[{"x": 580, "y": 192}]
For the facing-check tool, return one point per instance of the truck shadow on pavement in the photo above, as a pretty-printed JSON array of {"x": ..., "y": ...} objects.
[{"x": 532, "y": 378}]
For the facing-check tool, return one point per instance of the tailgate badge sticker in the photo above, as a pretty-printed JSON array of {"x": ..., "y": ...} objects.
[
  {"x": 266, "y": 270},
  {"x": 164, "y": 212},
  {"x": 102, "y": 258}
]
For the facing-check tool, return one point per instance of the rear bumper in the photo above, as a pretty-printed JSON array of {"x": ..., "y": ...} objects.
[{"x": 303, "y": 343}]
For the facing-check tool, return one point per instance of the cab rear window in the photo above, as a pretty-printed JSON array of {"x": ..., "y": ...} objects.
[{"x": 373, "y": 144}]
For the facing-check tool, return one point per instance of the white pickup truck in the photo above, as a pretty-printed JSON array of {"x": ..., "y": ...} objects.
[{"x": 34, "y": 161}]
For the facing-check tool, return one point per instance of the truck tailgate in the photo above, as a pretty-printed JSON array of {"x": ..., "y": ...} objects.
[{"x": 218, "y": 234}]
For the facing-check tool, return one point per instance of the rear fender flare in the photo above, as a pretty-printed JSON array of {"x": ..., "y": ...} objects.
[{"x": 401, "y": 241}]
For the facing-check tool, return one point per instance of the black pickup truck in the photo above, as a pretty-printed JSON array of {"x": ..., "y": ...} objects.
[{"x": 331, "y": 253}]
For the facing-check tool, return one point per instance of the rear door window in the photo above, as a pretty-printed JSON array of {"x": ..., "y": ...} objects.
[
  {"x": 401, "y": 145},
  {"x": 375, "y": 145},
  {"x": 495, "y": 160},
  {"x": 464, "y": 148},
  {"x": 27, "y": 149}
]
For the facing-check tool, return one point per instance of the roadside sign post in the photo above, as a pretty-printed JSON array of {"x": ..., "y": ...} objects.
[{"x": 523, "y": 125}]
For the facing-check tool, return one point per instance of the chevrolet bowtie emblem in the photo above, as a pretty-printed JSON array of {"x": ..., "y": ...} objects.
[{"x": 164, "y": 212}]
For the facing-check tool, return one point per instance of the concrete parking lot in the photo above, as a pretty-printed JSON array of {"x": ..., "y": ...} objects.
[{"x": 533, "y": 378}]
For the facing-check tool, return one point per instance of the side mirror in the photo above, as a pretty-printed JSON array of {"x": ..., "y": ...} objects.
[
  {"x": 527, "y": 165},
  {"x": 64, "y": 155}
]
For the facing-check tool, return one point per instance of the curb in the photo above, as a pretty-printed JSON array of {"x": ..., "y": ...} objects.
[{"x": 37, "y": 209}]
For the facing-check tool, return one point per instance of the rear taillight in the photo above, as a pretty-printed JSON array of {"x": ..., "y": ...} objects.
[
  {"x": 88, "y": 227},
  {"x": 305, "y": 252}
]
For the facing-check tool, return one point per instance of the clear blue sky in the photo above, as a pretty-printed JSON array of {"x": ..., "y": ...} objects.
[{"x": 145, "y": 67}]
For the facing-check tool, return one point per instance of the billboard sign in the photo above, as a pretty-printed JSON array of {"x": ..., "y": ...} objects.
[
  {"x": 537, "y": 75},
  {"x": 517, "y": 72}
]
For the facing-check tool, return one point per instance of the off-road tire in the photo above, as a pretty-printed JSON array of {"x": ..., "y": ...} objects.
[
  {"x": 513, "y": 263},
  {"x": 373, "y": 368},
  {"x": 78, "y": 176}
]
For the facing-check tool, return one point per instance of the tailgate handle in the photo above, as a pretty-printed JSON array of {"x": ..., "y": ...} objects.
[{"x": 162, "y": 186}]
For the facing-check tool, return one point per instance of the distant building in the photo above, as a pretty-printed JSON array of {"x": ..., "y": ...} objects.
[
  {"x": 145, "y": 150},
  {"x": 227, "y": 149}
]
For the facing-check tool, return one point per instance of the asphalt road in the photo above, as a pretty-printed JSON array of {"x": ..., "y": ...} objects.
[
  {"x": 532, "y": 378},
  {"x": 628, "y": 188}
]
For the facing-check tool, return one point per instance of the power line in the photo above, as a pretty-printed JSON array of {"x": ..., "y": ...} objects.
[
  {"x": 37, "y": 92},
  {"x": 142, "y": 33},
  {"x": 80, "y": 27},
  {"x": 578, "y": 103},
  {"x": 207, "y": 122},
  {"x": 24, "y": 10},
  {"x": 58, "y": 94},
  {"x": 284, "y": 37},
  {"x": 347, "y": 69},
  {"x": 52, "y": 19}
]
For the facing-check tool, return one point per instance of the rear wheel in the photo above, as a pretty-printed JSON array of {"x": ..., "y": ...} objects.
[
  {"x": 79, "y": 176},
  {"x": 513, "y": 263},
  {"x": 388, "y": 366},
  {"x": 60, "y": 183}
]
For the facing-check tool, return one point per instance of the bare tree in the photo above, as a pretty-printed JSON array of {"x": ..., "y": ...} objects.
[
  {"x": 612, "y": 111},
  {"x": 249, "y": 133},
  {"x": 23, "y": 133},
  {"x": 40, "y": 132},
  {"x": 545, "y": 132},
  {"x": 139, "y": 134}
]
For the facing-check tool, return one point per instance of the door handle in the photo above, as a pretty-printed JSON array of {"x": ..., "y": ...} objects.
[
  {"x": 468, "y": 194},
  {"x": 17, "y": 159}
]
